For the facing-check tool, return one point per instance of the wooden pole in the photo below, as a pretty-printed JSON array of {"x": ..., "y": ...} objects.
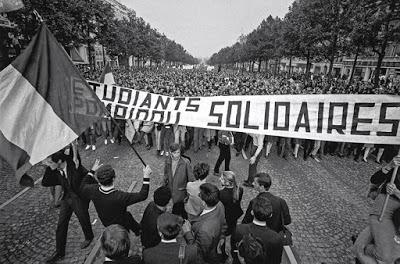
[{"x": 387, "y": 195}]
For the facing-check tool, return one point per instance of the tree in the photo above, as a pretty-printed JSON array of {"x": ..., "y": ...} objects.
[{"x": 383, "y": 28}]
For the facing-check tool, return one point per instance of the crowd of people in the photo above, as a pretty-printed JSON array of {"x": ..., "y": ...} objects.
[
  {"x": 177, "y": 82},
  {"x": 202, "y": 225}
]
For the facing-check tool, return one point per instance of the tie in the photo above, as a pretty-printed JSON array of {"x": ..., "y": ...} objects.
[{"x": 65, "y": 176}]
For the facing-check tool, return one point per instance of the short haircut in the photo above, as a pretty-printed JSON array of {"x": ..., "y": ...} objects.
[
  {"x": 201, "y": 170},
  {"x": 115, "y": 242},
  {"x": 264, "y": 180},
  {"x": 59, "y": 155},
  {"x": 174, "y": 147},
  {"x": 162, "y": 195},
  {"x": 105, "y": 175},
  {"x": 262, "y": 207},
  {"x": 169, "y": 225},
  {"x": 209, "y": 193}
]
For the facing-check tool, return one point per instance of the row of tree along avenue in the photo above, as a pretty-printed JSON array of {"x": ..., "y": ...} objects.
[
  {"x": 319, "y": 30},
  {"x": 86, "y": 22}
]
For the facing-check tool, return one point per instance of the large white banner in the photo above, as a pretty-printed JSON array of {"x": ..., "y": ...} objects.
[{"x": 330, "y": 117}]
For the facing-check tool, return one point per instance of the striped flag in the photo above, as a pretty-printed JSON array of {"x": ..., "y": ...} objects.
[
  {"x": 107, "y": 76},
  {"x": 44, "y": 103},
  {"x": 10, "y": 5}
]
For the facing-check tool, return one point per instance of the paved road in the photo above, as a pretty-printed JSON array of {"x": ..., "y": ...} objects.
[{"x": 327, "y": 203}]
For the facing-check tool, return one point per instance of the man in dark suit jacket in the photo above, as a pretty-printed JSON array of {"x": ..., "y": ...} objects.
[
  {"x": 150, "y": 236},
  {"x": 169, "y": 250},
  {"x": 111, "y": 204},
  {"x": 177, "y": 173},
  {"x": 210, "y": 227},
  {"x": 63, "y": 171},
  {"x": 271, "y": 240},
  {"x": 262, "y": 183}
]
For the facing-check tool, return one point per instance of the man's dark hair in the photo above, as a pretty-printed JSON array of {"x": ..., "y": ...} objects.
[
  {"x": 251, "y": 249},
  {"x": 169, "y": 225},
  {"x": 262, "y": 207},
  {"x": 201, "y": 170},
  {"x": 105, "y": 175},
  {"x": 209, "y": 193},
  {"x": 115, "y": 242},
  {"x": 162, "y": 195},
  {"x": 264, "y": 180},
  {"x": 174, "y": 147},
  {"x": 59, "y": 155}
]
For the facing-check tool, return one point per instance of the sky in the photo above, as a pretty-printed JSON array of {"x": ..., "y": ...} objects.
[{"x": 203, "y": 27}]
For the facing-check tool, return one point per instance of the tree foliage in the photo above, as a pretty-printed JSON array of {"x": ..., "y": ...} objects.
[
  {"x": 318, "y": 30},
  {"x": 86, "y": 22}
]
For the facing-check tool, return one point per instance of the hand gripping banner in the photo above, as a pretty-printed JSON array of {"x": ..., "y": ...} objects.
[{"x": 330, "y": 117}]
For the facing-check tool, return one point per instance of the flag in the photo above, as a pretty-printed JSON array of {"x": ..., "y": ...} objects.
[
  {"x": 44, "y": 103},
  {"x": 10, "y": 5},
  {"x": 107, "y": 76}
]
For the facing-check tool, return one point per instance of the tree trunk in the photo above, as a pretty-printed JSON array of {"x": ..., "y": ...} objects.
[
  {"x": 290, "y": 65},
  {"x": 90, "y": 59},
  {"x": 259, "y": 64},
  {"x": 332, "y": 56},
  {"x": 308, "y": 65},
  {"x": 353, "y": 69}
]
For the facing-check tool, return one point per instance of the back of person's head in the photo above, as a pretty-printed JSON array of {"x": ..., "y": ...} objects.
[
  {"x": 115, "y": 242},
  {"x": 169, "y": 225},
  {"x": 264, "y": 180},
  {"x": 209, "y": 193},
  {"x": 174, "y": 147},
  {"x": 251, "y": 249},
  {"x": 162, "y": 196},
  {"x": 201, "y": 170},
  {"x": 262, "y": 207},
  {"x": 105, "y": 175},
  {"x": 59, "y": 156}
]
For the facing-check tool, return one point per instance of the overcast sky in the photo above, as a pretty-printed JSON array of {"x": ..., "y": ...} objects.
[{"x": 203, "y": 27}]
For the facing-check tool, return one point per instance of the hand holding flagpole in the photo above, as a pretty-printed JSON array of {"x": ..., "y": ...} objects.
[{"x": 395, "y": 169}]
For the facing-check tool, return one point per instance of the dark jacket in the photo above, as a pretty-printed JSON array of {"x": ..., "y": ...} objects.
[
  {"x": 150, "y": 237},
  {"x": 272, "y": 241},
  {"x": 208, "y": 229},
  {"x": 111, "y": 206},
  {"x": 279, "y": 207},
  {"x": 167, "y": 253},
  {"x": 233, "y": 209},
  {"x": 71, "y": 187},
  {"x": 177, "y": 182},
  {"x": 379, "y": 177},
  {"x": 129, "y": 260}
]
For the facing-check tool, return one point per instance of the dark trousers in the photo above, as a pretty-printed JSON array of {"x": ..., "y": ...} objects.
[
  {"x": 224, "y": 154},
  {"x": 308, "y": 147},
  {"x": 253, "y": 167},
  {"x": 284, "y": 147},
  {"x": 189, "y": 137},
  {"x": 179, "y": 209},
  {"x": 239, "y": 138},
  {"x": 80, "y": 208}
]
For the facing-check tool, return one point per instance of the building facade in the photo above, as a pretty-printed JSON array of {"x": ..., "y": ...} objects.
[{"x": 365, "y": 65}]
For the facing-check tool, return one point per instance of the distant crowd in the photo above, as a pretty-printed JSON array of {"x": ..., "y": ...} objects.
[{"x": 177, "y": 82}]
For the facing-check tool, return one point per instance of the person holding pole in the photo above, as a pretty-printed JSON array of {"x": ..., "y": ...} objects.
[{"x": 381, "y": 228}]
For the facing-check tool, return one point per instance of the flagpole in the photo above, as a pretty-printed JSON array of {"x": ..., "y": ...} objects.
[
  {"x": 120, "y": 131},
  {"x": 388, "y": 195}
]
